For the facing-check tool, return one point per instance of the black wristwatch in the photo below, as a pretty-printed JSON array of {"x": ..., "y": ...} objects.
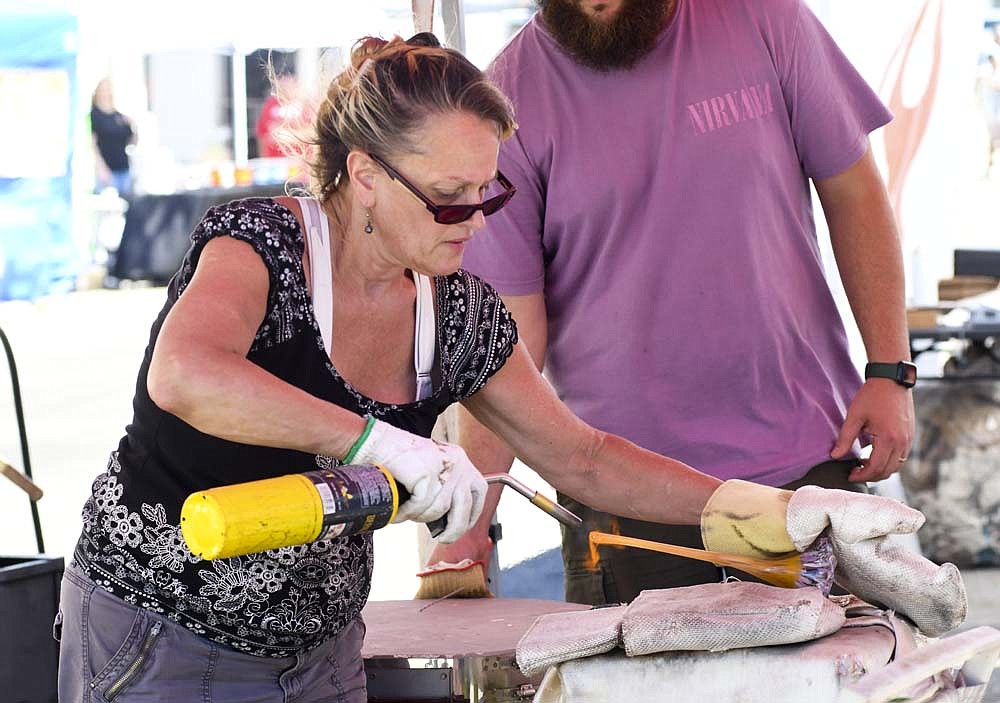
[{"x": 902, "y": 372}]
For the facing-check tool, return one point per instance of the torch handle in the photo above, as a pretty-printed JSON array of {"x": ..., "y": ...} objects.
[{"x": 436, "y": 527}]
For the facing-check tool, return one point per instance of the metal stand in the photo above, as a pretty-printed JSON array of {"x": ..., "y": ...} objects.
[{"x": 25, "y": 459}]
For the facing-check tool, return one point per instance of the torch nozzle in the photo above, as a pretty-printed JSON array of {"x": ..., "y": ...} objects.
[{"x": 546, "y": 505}]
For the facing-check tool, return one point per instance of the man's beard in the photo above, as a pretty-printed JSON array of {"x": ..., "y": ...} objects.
[{"x": 606, "y": 45}]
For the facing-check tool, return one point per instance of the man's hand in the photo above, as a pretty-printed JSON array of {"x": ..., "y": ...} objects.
[
  {"x": 474, "y": 544},
  {"x": 884, "y": 410},
  {"x": 458, "y": 570}
]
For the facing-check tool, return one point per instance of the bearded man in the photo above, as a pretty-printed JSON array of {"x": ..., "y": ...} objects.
[{"x": 661, "y": 257}]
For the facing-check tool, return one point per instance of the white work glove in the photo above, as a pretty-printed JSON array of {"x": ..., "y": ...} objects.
[
  {"x": 440, "y": 478},
  {"x": 873, "y": 566}
]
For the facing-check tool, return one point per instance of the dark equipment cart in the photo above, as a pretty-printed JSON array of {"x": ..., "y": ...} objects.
[{"x": 29, "y": 591}]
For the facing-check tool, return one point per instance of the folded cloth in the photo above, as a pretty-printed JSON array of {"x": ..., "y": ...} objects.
[
  {"x": 815, "y": 671},
  {"x": 710, "y": 616},
  {"x": 559, "y": 637},
  {"x": 720, "y": 616}
]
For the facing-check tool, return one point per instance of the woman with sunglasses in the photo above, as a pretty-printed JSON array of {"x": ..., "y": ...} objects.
[{"x": 305, "y": 333}]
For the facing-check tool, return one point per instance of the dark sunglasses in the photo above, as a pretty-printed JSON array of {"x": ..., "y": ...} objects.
[{"x": 453, "y": 214}]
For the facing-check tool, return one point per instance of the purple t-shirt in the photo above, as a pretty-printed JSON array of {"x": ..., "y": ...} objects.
[{"x": 666, "y": 215}]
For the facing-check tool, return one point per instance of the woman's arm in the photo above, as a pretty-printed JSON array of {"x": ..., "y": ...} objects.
[
  {"x": 199, "y": 370},
  {"x": 602, "y": 470}
]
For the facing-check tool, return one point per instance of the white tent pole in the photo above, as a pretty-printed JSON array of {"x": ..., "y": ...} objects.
[
  {"x": 240, "y": 132},
  {"x": 423, "y": 15},
  {"x": 453, "y": 15}
]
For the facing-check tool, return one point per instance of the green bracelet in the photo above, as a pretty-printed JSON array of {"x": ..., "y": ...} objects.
[{"x": 356, "y": 447}]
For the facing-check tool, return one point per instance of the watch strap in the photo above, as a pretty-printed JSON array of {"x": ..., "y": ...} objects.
[{"x": 902, "y": 372}]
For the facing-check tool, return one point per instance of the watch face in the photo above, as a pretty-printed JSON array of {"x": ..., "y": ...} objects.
[{"x": 906, "y": 374}]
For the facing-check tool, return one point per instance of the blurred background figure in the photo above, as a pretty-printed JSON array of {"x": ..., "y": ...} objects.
[
  {"x": 989, "y": 90},
  {"x": 282, "y": 109},
  {"x": 113, "y": 133}
]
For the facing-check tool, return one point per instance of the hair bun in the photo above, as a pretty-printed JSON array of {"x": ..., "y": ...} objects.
[{"x": 424, "y": 39}]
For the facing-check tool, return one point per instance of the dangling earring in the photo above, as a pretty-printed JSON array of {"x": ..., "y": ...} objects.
[{"x": 368, "y": 222}]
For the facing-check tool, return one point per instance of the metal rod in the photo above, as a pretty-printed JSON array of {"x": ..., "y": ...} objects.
[
  {"x": 423, "y": 15},
  {"x": 239, "y": 97},
  {"x": 546, "y": 505},
  {"x": 19, "y": 411},
  {"x": 453, "y": 18}
]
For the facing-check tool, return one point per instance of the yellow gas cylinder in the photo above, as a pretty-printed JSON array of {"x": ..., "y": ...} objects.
[{"x": 256, "y": 516}]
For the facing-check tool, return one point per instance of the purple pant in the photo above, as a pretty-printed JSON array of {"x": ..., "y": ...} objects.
[{"x": 113, "y": 652}]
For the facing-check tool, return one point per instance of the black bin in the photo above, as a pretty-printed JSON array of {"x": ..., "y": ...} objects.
[{"x": 29, "y": 656}]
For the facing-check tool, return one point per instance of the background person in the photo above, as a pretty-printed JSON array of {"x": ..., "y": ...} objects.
[
  {"x": 988, "y": 84},
  {"x": 113, "y": 133},
  {"x": 661, "y": 257},
  {"x": 283, "y": 109}
]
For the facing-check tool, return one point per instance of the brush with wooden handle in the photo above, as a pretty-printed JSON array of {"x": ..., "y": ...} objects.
[
  {"x": 813, "y": 567},
  {"x": 21, "y": 481}
]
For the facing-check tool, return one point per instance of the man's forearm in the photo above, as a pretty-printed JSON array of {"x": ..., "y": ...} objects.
[{"x": 866, "y": 245}]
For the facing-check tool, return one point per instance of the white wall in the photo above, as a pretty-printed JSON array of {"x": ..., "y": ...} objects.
[
  {"x": 186, "y": 93},
  {"x": 943, "y": 188}
]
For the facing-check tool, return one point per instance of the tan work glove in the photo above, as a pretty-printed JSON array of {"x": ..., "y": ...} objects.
[
  {"x": 748, "y": 519},
  {"x": 755, "y": 520}
]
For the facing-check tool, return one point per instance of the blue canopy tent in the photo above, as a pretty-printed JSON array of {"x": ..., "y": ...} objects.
[{"x": 38, "y": 44}]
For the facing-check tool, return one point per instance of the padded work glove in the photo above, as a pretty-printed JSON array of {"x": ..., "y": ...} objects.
[
  {"x": 754, "y": 520},
  {"x": 439, "y": 477},
  {"x": 747, "y": 518}
]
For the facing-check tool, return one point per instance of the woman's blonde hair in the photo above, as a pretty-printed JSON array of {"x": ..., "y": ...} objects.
[{"x": 387, "y": 93}]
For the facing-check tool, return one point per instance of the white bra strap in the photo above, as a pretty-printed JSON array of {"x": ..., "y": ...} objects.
[
  {"x": 318, "y": 231},
  {"x": 424, "y": 336}
]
